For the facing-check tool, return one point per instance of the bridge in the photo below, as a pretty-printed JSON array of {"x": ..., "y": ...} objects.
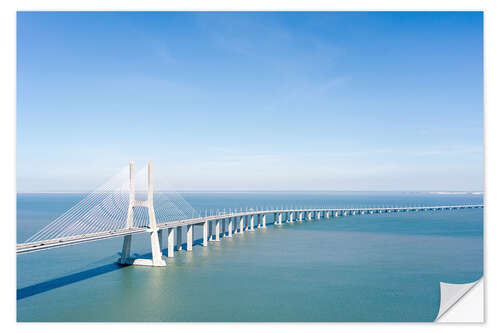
[{"x": 87, "y": 222}]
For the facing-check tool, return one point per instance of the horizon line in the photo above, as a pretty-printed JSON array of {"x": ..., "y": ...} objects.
[{"x": 251, "y": 191}]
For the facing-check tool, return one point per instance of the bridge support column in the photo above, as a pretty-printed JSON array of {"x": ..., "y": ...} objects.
[
  {"x": 189, "y": 237},
  {"x": 290, "y": 217},
  {"x": 170, "y": 242},
  {"x": 252, "y": 218},
  {"x": 263, "y": 220},
  {"x": 280, "y": 218},
  {"x": 210, "y": 231},
  {"x": 230, "y": 227},
  {"x": 155, "y": 251},
  {"x": 217, "y": 230},
  {"x": 223, "y": 228},
  {"x": 160, "y": 238},
  {"x": 242, "y": 224},
  {"x": 205, "y": 233},
  {"x": 127, "y": 243},
  {"x": 179, "y": 238}
]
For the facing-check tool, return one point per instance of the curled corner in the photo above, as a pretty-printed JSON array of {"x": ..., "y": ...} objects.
[{"x": 451, "y": 293}]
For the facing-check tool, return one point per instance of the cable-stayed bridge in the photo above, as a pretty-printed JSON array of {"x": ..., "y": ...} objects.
[{"x": 119, "y": 209}]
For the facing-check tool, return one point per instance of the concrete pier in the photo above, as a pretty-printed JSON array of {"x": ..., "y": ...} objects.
[
  {"x": 263, "y": 220},
  {"x": 229, "y": 227},
  {"x": 189, "y": 237},
  {"x": 179, "y": 238},
  {"x": 210, "y": 231},
  {"x": 217, "y": 230},
  {"x": 252, "y": 217},
  {"x": 160, "y": 238},
  {"x": 223, "y": 227},
  {"x": 242, "y": 224},
  {"x": 170, "y": 242},
  {"x": 205, "y": 233}
]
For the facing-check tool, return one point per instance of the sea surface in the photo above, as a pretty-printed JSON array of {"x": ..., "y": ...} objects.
[{"x": 384, "y": 267}]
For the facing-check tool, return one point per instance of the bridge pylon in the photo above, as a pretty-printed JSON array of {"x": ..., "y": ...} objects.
[{"x": 157, "y": 258}]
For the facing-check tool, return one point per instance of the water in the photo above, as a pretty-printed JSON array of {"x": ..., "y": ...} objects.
[{"x": 357, "y": 268}]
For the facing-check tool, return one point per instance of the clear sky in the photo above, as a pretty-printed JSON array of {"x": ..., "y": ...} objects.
[{"x": 252, "y": 101}]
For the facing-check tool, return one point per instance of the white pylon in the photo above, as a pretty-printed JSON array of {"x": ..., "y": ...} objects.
[{"x": 157, "y": 259}]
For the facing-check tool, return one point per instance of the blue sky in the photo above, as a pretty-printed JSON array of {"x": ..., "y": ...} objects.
[{"x": 252, "y": 101}]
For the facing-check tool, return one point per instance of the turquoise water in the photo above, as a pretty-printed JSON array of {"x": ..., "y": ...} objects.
[{"x": 357, "y": 268}]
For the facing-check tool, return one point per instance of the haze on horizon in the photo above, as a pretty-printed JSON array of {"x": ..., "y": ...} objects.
[{"x": 251, "y": 101}]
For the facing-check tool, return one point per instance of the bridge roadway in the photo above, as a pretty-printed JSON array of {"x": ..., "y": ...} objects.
[{"x": 289, "y": 214}]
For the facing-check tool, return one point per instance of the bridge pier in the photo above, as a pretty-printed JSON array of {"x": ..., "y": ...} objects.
[
  {"x": 179, "y": 238},
  {"x": 189, "y": 237},
  {"x": 205, "y": 233},
  {"x": 217, "y": 230},
  {"x": 127, "y": 244},
  {"x": 210, "y": 231},
  {"x": 230, "y": 227},
  {"x": 170, "y": 242},
  {"x": 263, "y": 220},
  {"x": 160, "y": 238},
  {"x": 223, "y": 228},
  {"x": 242, "y": 224},
  {"x": 252, "y": 217}
]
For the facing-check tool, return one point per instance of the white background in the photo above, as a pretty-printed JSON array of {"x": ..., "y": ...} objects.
[{"x": 8, "y": 168}]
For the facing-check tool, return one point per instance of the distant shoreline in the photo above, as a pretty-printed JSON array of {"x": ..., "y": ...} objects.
[{"x": 280, "y": 191}]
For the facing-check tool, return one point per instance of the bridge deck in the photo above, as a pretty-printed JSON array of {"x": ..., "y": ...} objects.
[{"x": 66, "y": 241}]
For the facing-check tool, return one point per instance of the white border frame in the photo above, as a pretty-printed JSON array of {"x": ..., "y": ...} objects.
[{"x": 8, "y": 126}]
